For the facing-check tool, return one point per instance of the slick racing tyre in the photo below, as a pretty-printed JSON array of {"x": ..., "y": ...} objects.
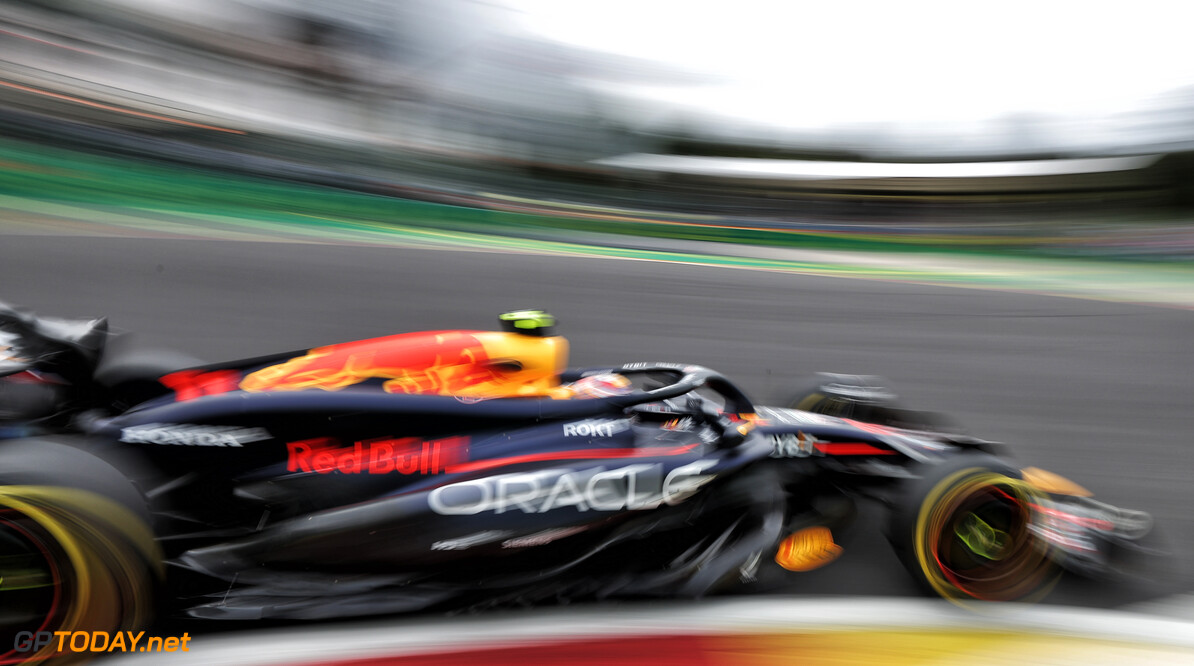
[
  {"x": 72, "y": 558},
  {"x": 131, "y": 377},
  {"x": 866, "y": 398},
  {"x": 962, "y": 530}
]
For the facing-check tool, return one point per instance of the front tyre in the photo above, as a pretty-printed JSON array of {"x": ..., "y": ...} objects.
[{"x": 962, "y": 530}]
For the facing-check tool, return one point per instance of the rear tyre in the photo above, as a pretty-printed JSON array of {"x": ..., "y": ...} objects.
[
  {"x": 131, "y": 377},
  {"x": 71, "y": 558},
  {"x": 962, "y": 531}
]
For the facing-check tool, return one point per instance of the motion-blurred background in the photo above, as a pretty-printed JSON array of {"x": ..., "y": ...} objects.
[{"x": 1059, "y": 129}]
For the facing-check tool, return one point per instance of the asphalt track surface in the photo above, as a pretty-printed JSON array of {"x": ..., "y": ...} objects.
[{"x": 1098, "y": 391}]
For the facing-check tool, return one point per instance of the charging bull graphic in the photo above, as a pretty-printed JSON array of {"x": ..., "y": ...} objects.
[{"x": 462, "y": 363}]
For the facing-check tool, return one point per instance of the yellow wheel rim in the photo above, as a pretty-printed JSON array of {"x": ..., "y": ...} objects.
[{"x": 972, "y": 539}]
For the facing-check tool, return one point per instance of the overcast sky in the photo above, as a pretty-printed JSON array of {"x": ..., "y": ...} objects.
[{"x": 806, "y": 65}]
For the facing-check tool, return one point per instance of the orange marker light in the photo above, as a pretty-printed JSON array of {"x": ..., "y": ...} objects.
[{"x": 808, "y": 549}]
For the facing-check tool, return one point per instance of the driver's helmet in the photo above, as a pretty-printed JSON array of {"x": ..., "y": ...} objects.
[{"x": 603, "y": 385}]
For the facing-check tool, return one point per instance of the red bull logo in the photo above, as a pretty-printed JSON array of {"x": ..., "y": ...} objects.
[
  {"x": 414, "y": 363},
  {"x": 407, "y": 455},
  {"x": 461, "y": 363}
]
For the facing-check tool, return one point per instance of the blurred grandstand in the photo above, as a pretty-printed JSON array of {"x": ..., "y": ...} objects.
[{"x": 449, "y": 101}]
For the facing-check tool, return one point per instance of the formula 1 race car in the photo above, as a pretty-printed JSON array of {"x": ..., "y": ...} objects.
[{"x": 459, "y": 469}]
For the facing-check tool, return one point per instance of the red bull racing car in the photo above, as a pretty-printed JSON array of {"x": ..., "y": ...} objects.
[{"x": 459, "y": 469}]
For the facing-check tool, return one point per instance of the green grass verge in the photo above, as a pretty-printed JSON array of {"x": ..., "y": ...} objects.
[{"x": 88, "y": 179}]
